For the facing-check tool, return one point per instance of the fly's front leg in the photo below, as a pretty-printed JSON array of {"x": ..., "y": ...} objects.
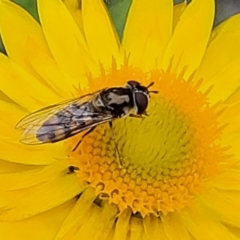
[
  {"x": 84, "y": 135},
  {"x": 114, "y": 139}
]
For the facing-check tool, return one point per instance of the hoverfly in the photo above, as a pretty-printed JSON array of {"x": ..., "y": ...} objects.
[{"x": 61, "y": 121}]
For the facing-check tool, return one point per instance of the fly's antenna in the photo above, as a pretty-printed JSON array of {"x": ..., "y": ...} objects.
[
  {"x": 154, "y": 91},
  {"x": 149, "y": 85}
]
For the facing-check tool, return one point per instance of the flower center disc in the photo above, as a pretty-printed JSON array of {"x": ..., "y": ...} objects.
[{"x": 164, "y": 156}]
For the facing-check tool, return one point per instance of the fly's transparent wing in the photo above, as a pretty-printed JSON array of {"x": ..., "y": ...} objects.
[
  {"x": 61, "y": 121},
  {"x": 45, "y": 113}
]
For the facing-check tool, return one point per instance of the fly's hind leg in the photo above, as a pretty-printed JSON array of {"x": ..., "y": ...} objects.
[
  {"x": 84, "y": 135},
  {"x": 117, "y": 150}
]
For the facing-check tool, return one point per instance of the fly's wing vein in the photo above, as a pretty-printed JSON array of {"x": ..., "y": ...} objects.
[
  {"x": 61, "y": 121},
  {"x": 45, "y": 113}
]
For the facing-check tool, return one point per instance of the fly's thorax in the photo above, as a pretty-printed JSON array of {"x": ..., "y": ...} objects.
[
  {"x": 98, "y": 103},
  {"x": 118, "y": 100}
]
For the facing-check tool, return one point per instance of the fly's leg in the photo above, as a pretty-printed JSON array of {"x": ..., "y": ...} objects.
[
  {"x": 84, "y": 135},
  {"x": 135, "y": 116},
  {"x": 114, "y": 139}
]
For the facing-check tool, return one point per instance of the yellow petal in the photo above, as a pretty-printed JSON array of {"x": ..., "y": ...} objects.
[
  {"x": 147, "y": 32},
  {"x": 25, "y": 179},
  {"x": 153, "y": 228},
  {"x": 223, "y": 49},
  {"x": 99, "y": 224},
  {"x": 5, "y": 98},
  {"x": 234, "y": 97},
  {"x": 190, "y": 37},
  {"x": 43, "y": 226},
  {"x": 64, "y": 39},
  {"x": 234, "y": 230},
  {"x": 11, "y": 167},
  {"x": 228, "y": 180},
  {"x": 14, "y": 151},
  {"x": 231, "y": 133},
  {"x": 100, "y": 33},
  {"x": 226, "y": 207},
  {"x": 215, "y": 70},
  {"x": 174, "y": 228},
  {"x": 202, "y": 223},
  {"x": 74, "y": 7},
  {"x": 136, "y": 229},
  {"x": 27, "y": 202},
  {"x": 23, "y": 88},
  {"x": 14, "y": 17},
  {"x": 27, "y": 154},
  {"x": 17, "y": 42},
  {"x": 121, "y": 229},
  {"x": 178, "y": 11},
  {"x": 52, "y": 73},
  {"x": 111, "y": 235},
  {"x": 76, "y": 217},
  {"x": 222, "y": 91}
]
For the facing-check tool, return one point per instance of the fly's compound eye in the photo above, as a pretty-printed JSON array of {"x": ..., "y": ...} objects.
[{"x": 141, "y": 101}]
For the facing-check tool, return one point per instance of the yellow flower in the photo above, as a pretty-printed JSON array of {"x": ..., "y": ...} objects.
[{"x": 180, "y": 174}]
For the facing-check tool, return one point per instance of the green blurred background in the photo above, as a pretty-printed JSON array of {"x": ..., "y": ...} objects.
[{"x": 118, "y": 10}]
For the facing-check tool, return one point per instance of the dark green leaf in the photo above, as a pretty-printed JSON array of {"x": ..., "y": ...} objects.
[
  {"x": 118, "y": 10},
  {"x": 30, "y": 6}
]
